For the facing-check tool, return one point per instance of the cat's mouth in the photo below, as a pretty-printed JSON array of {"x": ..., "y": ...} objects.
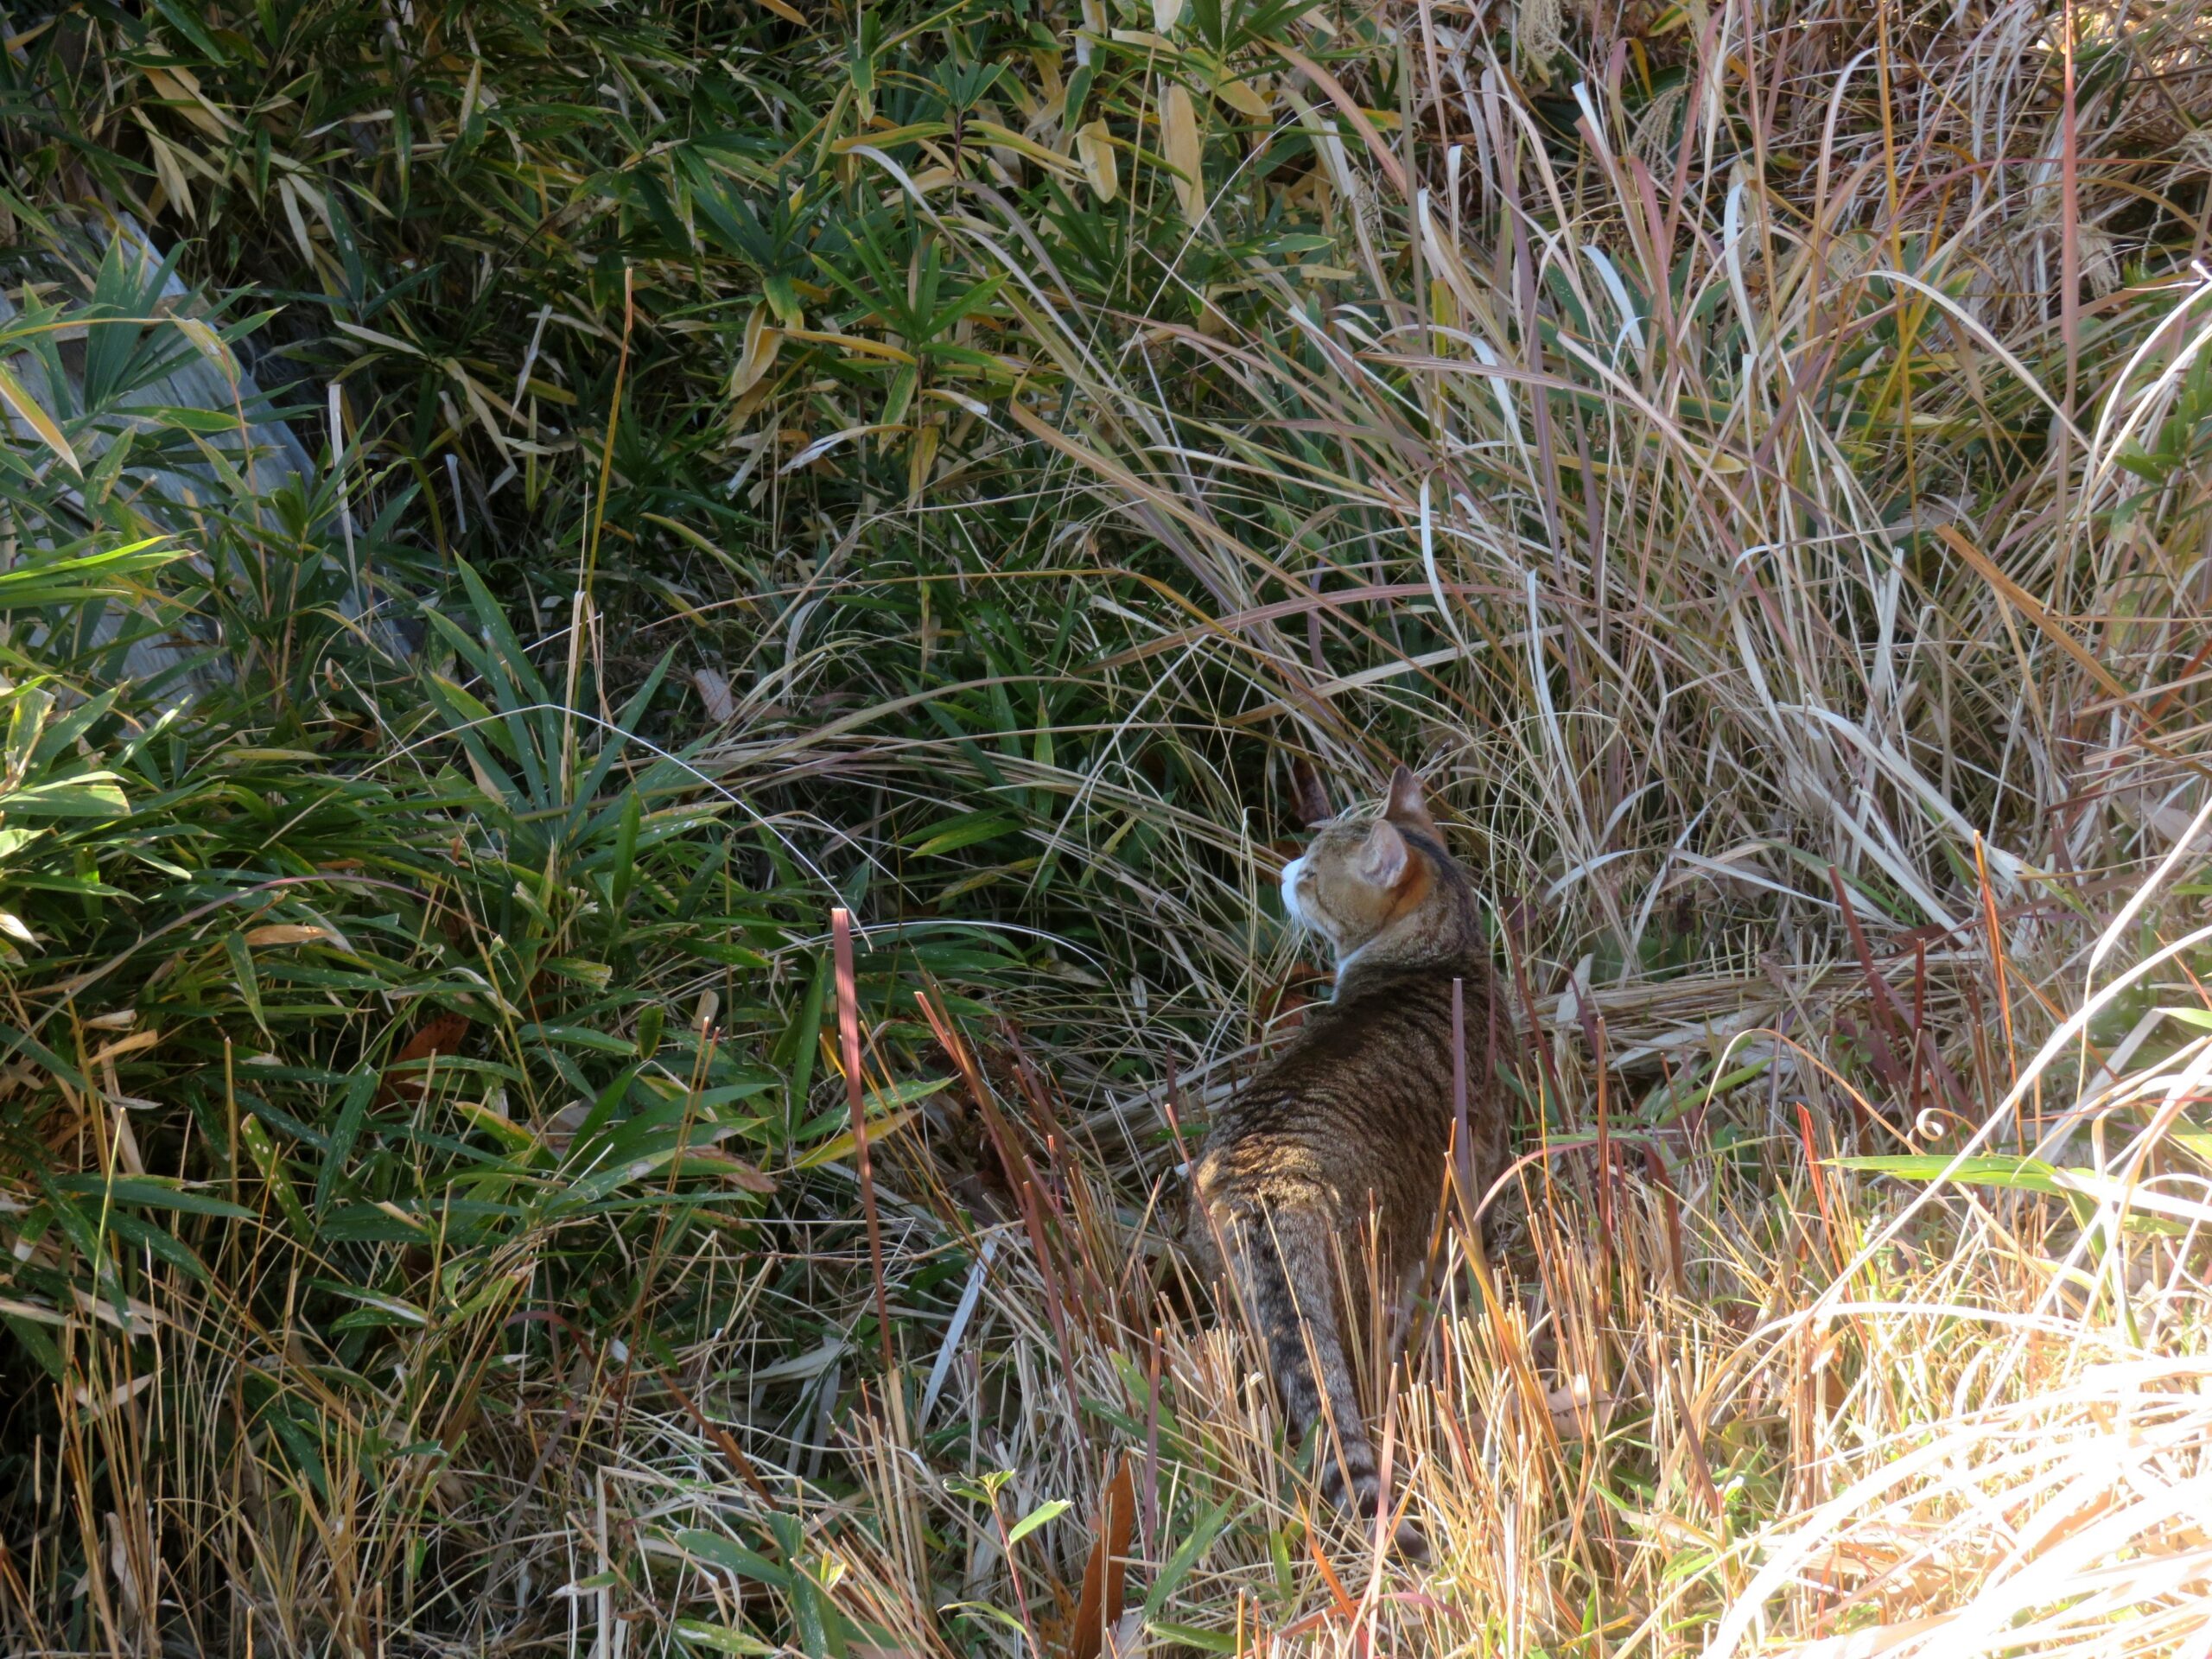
[{"x": 1304, "y": 916}]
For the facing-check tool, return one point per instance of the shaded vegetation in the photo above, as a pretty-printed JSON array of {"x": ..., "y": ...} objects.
[{"x": 594, "y": 489}]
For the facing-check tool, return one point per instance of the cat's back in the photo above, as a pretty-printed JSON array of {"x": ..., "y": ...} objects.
[
  {"x": 1361, "y": 1100},
  {"x": 1375, "y": 1060}
]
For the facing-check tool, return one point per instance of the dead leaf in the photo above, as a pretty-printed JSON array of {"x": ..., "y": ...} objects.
[
  {"x": 746, "y": 1178},
  {"x": 123, "y": 1392},
  {"x": 713, "y": 691},
  {"x": 921, "y": 456},
  {"x": 2029, "y": 606},
  {"x": 1362, "y": 123},
  {"x": 762, "y": 342},
  {"x": 441, "y": 1036},
  {"x": 28, "y": 411},
  {"x": 1101, "y": 1606},
  {"x": 1309, "y": 795},
  {"x": 1094, "y": 144},
  {"x": 1251, "y": 98},
  {"x": 131, "y": 1045},
  {"x": 559, "y": 1131},
  {"x": 285, "y": 933},
  {"x": 1179, "y": 132},
  {"x": 180, "y": 88},
  {"x": 1347, "y": 1607}
]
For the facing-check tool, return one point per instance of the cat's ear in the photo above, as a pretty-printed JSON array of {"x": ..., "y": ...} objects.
[
  {"x": 1383, "y": 859},
  {"x": 1407, "y": 806},
  {"x": 1309, "y": 797}
]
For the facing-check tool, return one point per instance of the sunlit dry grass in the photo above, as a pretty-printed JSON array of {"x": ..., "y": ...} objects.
[{"x": 1770, "y": 506}]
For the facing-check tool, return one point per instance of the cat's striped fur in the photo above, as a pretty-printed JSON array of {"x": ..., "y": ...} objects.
[{"x": 1322, "y": 1177}]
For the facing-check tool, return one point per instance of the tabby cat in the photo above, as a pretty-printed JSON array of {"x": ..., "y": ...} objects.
[{"x": 1339, "y": 1143}]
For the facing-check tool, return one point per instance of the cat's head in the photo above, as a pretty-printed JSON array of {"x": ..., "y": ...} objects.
[{"x": 1363, "y": 876}]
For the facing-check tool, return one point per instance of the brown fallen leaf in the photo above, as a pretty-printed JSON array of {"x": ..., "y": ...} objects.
[
  {"x": 1100, "y": 1610},
  {"x": 1309, "y": 796},
  {"x": 714, "y": 693},
  {"x": 744, "y": 1177},
  {"x": 440, "y": 1036}
]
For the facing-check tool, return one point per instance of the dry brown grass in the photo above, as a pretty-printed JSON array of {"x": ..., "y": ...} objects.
[{"x": 1740, "y": 521}]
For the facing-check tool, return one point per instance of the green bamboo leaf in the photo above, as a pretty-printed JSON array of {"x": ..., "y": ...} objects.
[
  {"x": 90, "y": 795},
  {"x": 151, "y": 1192},
  {"x": 966, "y": 832},
  {"x": 265, "y": 1158},
  {"x": 249, "y": 984},
  {"x": 1191, "y": 1636},
  {"x": 1178, "y": 1568},
  {"x": 355, "y": 1108},
  {"x": 716, "y": 1550},
  {"x": 598, "y": 1042},
  {"x": 722, "y": 1638},
  {"x": 1036, "y": 1517}
]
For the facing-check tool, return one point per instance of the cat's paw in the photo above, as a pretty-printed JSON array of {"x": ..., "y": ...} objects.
[
  {"x": 1412, "y": 1544},
  {"x": 1408, "y": 1541},
  {"x": 1362, "y": 1501}
]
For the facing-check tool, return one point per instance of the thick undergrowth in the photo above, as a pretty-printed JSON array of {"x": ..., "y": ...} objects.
[{"x": 655, "y": 657}]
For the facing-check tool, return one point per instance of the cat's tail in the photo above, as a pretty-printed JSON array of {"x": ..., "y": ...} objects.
[{"x": 1288, "y": 1264}]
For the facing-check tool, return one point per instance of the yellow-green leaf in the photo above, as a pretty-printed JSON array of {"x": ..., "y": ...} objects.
[
  {"x": 37, "y": 419},
  {"x": 1247, "y": 98}
]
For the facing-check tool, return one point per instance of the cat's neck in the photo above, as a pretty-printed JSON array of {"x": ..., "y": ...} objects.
[
  {"x": 1445, "y": 936},
  {"x": 1363, "y": 971}
]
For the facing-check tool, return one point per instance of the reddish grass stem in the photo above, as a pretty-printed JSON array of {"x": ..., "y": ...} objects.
[
  {"x": 1463, "y": 1152},
  {"x": 848, "y": 1041}
]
